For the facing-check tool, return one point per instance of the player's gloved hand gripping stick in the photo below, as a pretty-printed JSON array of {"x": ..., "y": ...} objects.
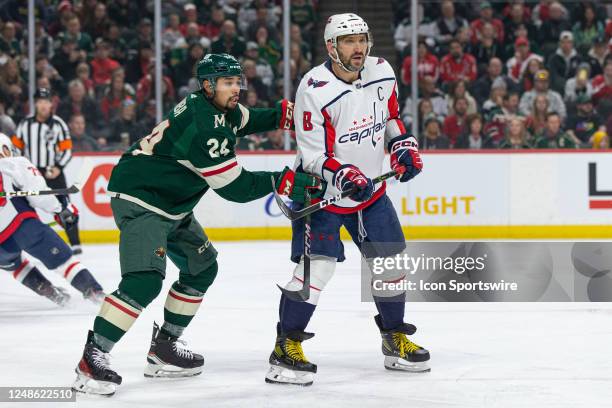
[{"x": 309, "y": 209}]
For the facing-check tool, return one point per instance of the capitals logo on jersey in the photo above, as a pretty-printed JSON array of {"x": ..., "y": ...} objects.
[
  {"x": 316, "y": 84},
  {"x": 365, "y": 127}
]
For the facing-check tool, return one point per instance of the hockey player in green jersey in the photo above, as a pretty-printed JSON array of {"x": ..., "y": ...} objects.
[{"x": 153, "y": 189}]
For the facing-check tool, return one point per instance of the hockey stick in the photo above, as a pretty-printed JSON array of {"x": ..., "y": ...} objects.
[
  {"x": 84, "y": 173},
  {"x": 297, "y": 214},
  {"x": 303, "y": 294}
]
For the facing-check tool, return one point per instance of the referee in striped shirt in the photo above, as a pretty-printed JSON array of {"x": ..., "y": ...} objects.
[{"x": 45, "y": 140}]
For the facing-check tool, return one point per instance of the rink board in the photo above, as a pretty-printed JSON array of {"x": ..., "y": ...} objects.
[{"x": 489, "y": 194}]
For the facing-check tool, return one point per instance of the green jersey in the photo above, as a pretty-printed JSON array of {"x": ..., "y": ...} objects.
[{"x": 190, "y": 151}]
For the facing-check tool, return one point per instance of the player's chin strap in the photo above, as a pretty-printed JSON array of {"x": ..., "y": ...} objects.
[{"x": 337, "y": 60}]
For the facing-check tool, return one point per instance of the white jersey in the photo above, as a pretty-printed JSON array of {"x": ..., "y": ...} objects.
[
  {"x": 19, "y": 174},
  {"x": 339, "y": 123}
]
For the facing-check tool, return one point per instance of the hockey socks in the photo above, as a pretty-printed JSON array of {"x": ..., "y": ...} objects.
[
  {"x": 391, "y": 310},
  {"x": 79, "y": 276},
  {"x": 30, "y": 277},
  {"x": 182, "y": 303},
  {"x": 294, "y": 315}
]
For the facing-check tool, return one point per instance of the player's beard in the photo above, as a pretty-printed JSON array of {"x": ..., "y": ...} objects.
[
  {"x": 232, "y": 101},
  {"x": 348, "y": 61}
]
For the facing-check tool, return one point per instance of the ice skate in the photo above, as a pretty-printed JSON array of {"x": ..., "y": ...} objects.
[
  {"x": 168, "y": 357},
  {"x": 94, "y": 295},
  {"x": 401, "y": 354},
  {"x": 94, "y": 375},
  {"x": 288, "y": 365},
  {"x": 57, "y": 295}
]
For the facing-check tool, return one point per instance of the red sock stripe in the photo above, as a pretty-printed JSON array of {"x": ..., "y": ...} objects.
[
  {"x": 18, "y": 271},
  {"x": 123, "y": 309},
  {"x": 311, "y": 287},
  {"x": 69, "y": 268},
  {"x": 182, "y": 299}
]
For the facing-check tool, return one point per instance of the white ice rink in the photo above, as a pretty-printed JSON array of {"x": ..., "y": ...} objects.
[{"x": 483, "y": 355}]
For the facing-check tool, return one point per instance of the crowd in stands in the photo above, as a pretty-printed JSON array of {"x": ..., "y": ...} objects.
[
  {"x": 97, "y": 57},
  {"x": 509, "y": 75},
  {"x": 514, "y": 74}
]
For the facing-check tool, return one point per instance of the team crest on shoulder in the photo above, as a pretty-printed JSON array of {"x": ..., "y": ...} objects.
[
  {"x": 315, "y": 83},
  {"x": 380, "y": 61}
]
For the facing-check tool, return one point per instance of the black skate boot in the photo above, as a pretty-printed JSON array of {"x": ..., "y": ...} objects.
[
  {"x": 288, "y": 365},
  {"x": 94, "y": 375},
  {"x": 401, "y": 354},
  {"x": 168, "y": 358},
  {"x": 57, "y": 295}
]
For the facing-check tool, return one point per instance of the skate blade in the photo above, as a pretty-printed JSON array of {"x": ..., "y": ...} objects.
[
  {"x": 170, "y": 371},
  {"x": 281, "y": 375},
  {"x": 89, "y": 386},
  {"x": 399, "y": 364}
]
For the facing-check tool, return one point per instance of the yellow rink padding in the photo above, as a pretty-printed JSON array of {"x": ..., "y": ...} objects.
[{"x": 464, "y": 232}]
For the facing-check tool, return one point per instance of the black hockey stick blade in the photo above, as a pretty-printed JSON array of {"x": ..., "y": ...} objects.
[{"x": 301, "y": 295}]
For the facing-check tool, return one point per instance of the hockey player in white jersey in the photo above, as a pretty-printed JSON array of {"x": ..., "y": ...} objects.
[
  {"x": 21, "y": 230},
  {"x": 346, "y": 113}
]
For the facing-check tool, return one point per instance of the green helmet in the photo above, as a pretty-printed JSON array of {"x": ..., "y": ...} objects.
[{"x": 213, "y": 66}]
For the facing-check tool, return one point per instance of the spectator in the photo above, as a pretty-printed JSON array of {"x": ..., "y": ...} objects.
[
  {"x": 455, "y": 124},
  {"x": 138, "y": 64},
  {"x": 275, "y": 140},
  {"x": 486, "y": 17},
  {"x": 427, "y": 65},
  {"x": 124, "y": 12},
  {"x": 7, "y": 126},
  {"x": 432, "y": 137},
  {"x": 518, "y": 20},
  {"x": 115, "y": 94},
  {"x": 486, "y": 48},
  {"x": 60, "y": 22},
  {"x": 522, "y": 57},
  {"x": 8, "y": 40},
  {"x": 551, "y": 29},
  {"x": 184, "y": 71},
  {"x": 43, "y": 43},
  {"x": 83, "y": 41},
  {"x": 481, "y": 88},
  {"x": 98, "y": 23},
  {"x": 516, "y": 136},
  {"x": 81, "y": 141},
  {"x": 427, "y": 90},
  {"x": 579, "y": 85},
  {"x": 601, "y": 140},
  {"x": 296, "y": 37},
  {"x": 261, "y": 20},
  {"x": 302, "y": 64},
  {"x": 144, "y": 36},
  {"x": 457, "y": 65},
  {"x": 536, "y": 121},
  {"x": 249, "y": 68},
  {"x": 148, "y": 116},
  {"x": 118, "y": 46},
  {"x": 474, "y": 138},
  {"x": 79, "y": 102},
  {"x": 541, "y": 88},
  {"x": 588, "y": 28},
  {"x": 447, "y": 25},
  {"x": 145, "y": 89},
  {"x": 264, "y": 69},
  {"x": 213, "y": 28},
  {"x": 173, "y": 37},
  {"x": 44, "y": 68},
  {"x": 228, "y": 41},
  {"x": 533, "y": 67},
  {"x": 191, "y": 17},
  {"x": 67, "y": 58},
  {"x": 102, "y": 65},
  {"x": 495, "y": 102},
  {"x": 303, "y": 14},
  {"x": 597, "y": 55},
  {"x": 125, "y": 130},
  {"x": 602, "y": 88},
  {"x": 84, "y": 75},
  {"x": 510, "y": 104},
  {"x": 553, "y": 137},
  {"x": 585, "y": 122},
  {"x": 11, "y": 84},
  {"x": 541, "y": 12},
  {"x": 459, "y": 90},
  {"x": 563, "y": 64}
]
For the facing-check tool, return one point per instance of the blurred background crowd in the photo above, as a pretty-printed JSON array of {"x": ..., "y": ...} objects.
[{"x": 512, "y": 74}]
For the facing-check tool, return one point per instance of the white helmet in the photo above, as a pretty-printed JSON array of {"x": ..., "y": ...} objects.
[
  {"x": 6, "y": 145},
  {"x": 345, "y": 24}
]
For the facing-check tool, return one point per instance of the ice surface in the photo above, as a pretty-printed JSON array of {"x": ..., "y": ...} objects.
[{"x": 483, "y": 354}]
